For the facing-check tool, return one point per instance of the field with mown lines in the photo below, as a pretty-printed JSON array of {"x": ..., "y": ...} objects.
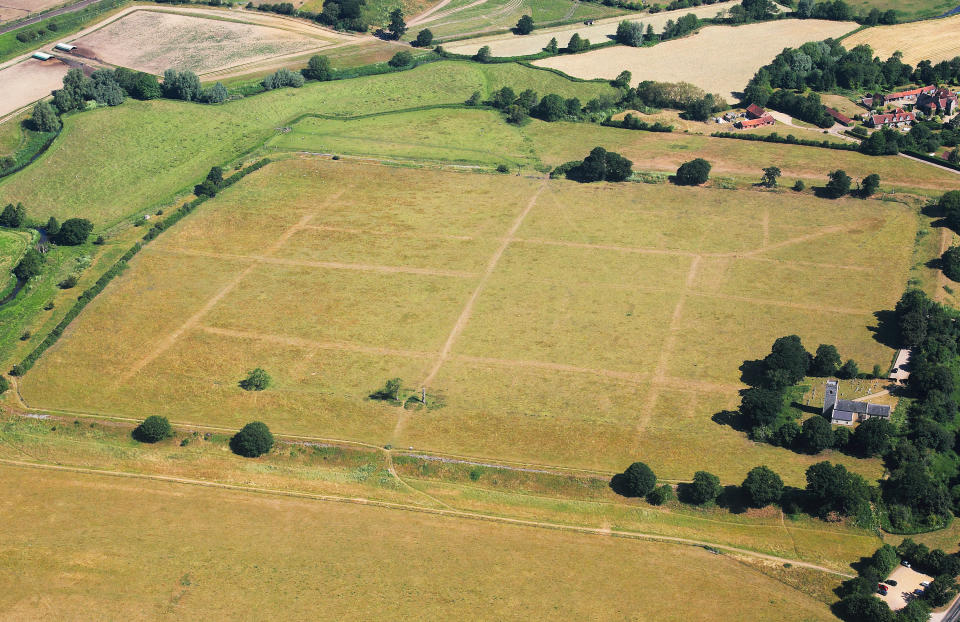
[{"x": 611, "y": 325}]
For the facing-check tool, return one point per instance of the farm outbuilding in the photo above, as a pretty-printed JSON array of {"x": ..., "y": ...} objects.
[
  {"x": 42, "y": 56},
  {"x": 65, "y": 47}
]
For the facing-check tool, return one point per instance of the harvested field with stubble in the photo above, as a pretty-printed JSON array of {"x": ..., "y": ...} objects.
[
  {"x": 718, "y": 59},
  {"x": 28, "y": 81},
  {"x": 153, "y": 41},
  {"x": 201, "y": 552},
  {"x": 16, "y": 9},
  {"x": 559, "y": 323},
  {"x": 934, "y": 40}
]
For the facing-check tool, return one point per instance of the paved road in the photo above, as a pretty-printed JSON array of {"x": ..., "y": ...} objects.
[
  {"x": 950, "y": 615},
  {"x": 40, "y": 16}
]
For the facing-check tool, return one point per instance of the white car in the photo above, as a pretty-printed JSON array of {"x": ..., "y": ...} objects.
[
  {"x": 924, "y": 584},
  {"x": 905, "y": 564}
]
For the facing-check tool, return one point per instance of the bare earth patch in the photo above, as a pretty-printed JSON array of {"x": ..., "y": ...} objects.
[
  {"x": 153, "y": 41},
  {"x": 28, "y": 81},
  {"x": 720, "y": 59},
  {"x": 936, "y": 40},
  {"x": 600, "y": 31},
  {"x": 15, "y": 9}
]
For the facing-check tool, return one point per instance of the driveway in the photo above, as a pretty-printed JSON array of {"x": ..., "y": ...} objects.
[{"x": 907, "y": 580}]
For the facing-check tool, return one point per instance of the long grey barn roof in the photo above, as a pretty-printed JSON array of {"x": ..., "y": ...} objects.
[
  {"x": 862, "y": 408},
  {"x": 842, "y": 415}
]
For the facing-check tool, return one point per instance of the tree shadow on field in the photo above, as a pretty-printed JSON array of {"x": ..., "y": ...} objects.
[
  {"x": 732, "y": 418},
  {"x": 887, "y": 332},
  {"x": 751, "y": 372},
  {"x": 618, "y": 484},
  {"x": 733, "y": 499}
]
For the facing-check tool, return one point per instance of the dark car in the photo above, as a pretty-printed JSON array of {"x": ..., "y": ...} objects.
[{"x": 890, "y": 582}]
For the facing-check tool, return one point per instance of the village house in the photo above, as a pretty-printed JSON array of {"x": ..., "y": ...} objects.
[
  {"x": 940, "y": 101},
  {"x": 747, "y": 124},
  {"x": 899, "y": 98},
  {"x": 897, "y": 118},
  {"x": 848, "y": 412}
]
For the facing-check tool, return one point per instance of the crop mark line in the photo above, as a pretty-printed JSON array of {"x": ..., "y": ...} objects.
[
  {"x": 167, "y": 342},
  {"x": 332, "y": 265},
  {"x": 311, "y": 343},
  {"x": 467, "y": 311},
  {"x": 666, "y": 351}
]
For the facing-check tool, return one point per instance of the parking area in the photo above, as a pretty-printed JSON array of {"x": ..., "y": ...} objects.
[{"x": 907, "y": 580}]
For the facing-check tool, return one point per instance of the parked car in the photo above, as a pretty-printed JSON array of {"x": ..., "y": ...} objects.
[
  {"x": 892, "y": 582},
  {"x": 882, "y": 589},
  {"x": 918, "y": 592},
  {"x": 905, "y": 564},
  {"x": 925, "y": 584}
]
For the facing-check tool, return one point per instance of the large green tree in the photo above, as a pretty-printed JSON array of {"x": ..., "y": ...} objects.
[
  {"x": 693, "y": 173},
  {"x": 252, "y": 441},
  {"x": 397, "y": 26},
  {"x": 762, "y": 486},
  {"x": 74, "y": 232},
  {"x": 639, "y": 479},
  {"x": 817, "y": 434},
  {"x": 318, "y": 68},
  {"x": 153, "y": 429},
  {"x": 524, "y": 25},
  {"x": 826, "y": 361},
  {"x": 838, "y": 184},
  {"x": 44, "y": 118},
  {"x": 30, "y": 265},
  {"x": 704, "y": 488}
]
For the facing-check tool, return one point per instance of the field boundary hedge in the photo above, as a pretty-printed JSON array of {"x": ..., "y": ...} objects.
[
  {"x": 119, "y": 267},
  {"x": 784, "y": 140},
  {"x": 931, "y": 159},
  {"x": 31, "y": 151}
]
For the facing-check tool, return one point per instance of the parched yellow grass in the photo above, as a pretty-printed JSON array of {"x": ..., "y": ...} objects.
[
  {"x": 153, "y": 41},
  {"x": 933, "y": 39},
  {"x": 611, "y": 328},
  {"x": 718, "y": 59},
  {"x": 193, "y": 552}
]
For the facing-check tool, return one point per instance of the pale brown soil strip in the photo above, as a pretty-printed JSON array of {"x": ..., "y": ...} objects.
[
  {"x": 391, "y": 234},
  {"x": 766, "y": 227},
  {"x": 783, "y": 303},
  {"x": 666, "y": 350},
  {"x": 633, "y": 535},
  {"x": 312, "y": 343},
  {"x": 468, "y": 308},
  {"x": 333, "y": 265}
]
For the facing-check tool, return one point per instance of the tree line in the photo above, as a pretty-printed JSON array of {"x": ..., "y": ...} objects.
[{"x": 73, "y": 232}]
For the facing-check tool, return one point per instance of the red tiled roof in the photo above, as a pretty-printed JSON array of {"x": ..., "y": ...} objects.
[
  {"x": 842, "y": 118},
  {"x": 897, "y": 116},
  {"x": 755, "y": 111},
  {"x": 766, "y": 119},
  {"x": 911, "y": 92}
]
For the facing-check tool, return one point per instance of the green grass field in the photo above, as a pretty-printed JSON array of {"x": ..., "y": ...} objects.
[
  {"x": 188, "y": 551},
  {"x": 169, "y": 146},
  {"x": 611, "y": 328},
  {"x": 909, "y": 10}
]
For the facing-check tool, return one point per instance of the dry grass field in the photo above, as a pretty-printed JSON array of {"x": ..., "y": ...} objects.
[
  {"x": 602, "y": 30},
  {"x": 153, "y": 41},
  {"x": 559, "y": 323},
  {"x": 192, "y": 552},
  {"x": 719, "y": 59},
  {"x": 933, "y": 40},
  {"x": 28, "y": 81},
  {"x": 15, "y": 9}
]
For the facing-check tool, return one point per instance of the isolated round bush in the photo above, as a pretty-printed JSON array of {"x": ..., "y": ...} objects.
[
  {"x": 252, "y": 441},
  {"x": 639, "y": 479},
  {"x": 704, "y": 489},
  {"x": 153, "y": 429},
  {"x": 693, "y": 173},
  {"x": 258, "y": 380},
  {"x": 950, "y": 262}
]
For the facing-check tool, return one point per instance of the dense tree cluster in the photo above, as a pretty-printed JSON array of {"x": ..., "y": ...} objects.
[
  {"x": 696, "y": 103},
  {"x": 283, "y": 77},
  {"x": 630, "y": 33},
  {"x": 600, "y": 165}
]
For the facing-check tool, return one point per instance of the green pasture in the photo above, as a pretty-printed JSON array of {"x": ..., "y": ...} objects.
[{"x": 169, "y": 146}]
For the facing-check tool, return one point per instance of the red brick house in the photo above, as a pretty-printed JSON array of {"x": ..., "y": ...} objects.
[
  {"x": 941, "y": 101},
  {"x": 897, "y": 118}
]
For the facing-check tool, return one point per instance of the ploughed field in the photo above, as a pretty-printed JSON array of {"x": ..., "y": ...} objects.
[
  {"x": 552, "y": 322},
  {"x": 202, "y": 41}
]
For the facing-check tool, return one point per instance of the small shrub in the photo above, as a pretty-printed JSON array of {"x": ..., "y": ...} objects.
[
  {"x": 68, "y": 283},
  {"x": 660, "y": 495},
  {"x": 4, "y": 385},
  {"x": 503, "y": 168},
  {"x": 401, "y": 59},
  {"x": 25, "y": 336},
  {"x": 48, "y": 306},
  {"x": 257, "y": 380},
  {"x": 799, "y": 186},
  {"x": 252, "y": 441},
  {"x": 153, "y": 429}
]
